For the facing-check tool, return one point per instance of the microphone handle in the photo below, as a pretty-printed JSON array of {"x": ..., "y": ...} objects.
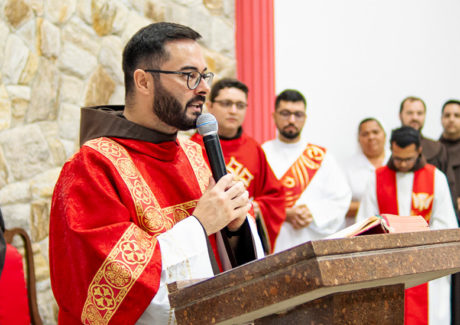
[
  {"x": 215, "y": 156},
  {"x": 218, "y": 169}
]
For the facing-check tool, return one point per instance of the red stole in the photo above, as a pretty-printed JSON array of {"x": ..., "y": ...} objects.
[
  {"x": 246, "y": 160},
  {"x": 416, "y": 298},
  {"x": 300, "y": 174}
]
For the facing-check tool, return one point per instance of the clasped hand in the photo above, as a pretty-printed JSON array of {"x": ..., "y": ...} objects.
[
  {"x": 224, "y": 203},
  {"x": 299, "y": 216}
]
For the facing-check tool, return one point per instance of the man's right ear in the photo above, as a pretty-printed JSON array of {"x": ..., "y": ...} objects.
[{"x": 143, "y": 82}]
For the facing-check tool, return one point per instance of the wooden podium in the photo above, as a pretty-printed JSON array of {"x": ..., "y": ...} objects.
[{"x": 359, "y": 280}]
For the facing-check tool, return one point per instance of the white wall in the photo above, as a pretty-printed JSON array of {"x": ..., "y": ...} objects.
[{"x": 359, "y": 58}]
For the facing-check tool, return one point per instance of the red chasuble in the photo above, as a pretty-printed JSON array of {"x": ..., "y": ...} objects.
[
  {"x": 300, "y": 174},
  {"x": 416, "y": 298},
  {"x": 112, "y": 199},
  {"x": 245, "y": 159}
]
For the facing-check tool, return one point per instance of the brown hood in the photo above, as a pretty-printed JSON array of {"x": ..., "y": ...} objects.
[{"x": 108, "y": 121}]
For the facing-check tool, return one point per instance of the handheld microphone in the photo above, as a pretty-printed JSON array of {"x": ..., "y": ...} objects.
[{"x": 207, "y": 127}]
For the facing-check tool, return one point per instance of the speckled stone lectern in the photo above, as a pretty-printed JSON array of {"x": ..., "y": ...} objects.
[{"x": 359, "y": 280}]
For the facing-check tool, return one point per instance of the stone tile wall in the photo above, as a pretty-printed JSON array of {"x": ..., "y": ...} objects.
[{"x": 57, "y": 56}]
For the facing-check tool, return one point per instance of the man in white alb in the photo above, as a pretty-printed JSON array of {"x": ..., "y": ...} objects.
[
  {"x": 317, "y": 193},
  {"x": 409, "y": 186}
]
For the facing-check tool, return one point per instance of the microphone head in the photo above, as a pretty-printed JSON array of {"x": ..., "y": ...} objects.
[{"x": 206, "y": 124}]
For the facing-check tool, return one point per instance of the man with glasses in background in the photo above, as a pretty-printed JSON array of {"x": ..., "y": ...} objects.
[
  {"x": 136, "y": 208},
  {"x": 317, "y": 192},
  {"x": 245, "y": 158},
  {"x": 409, "y": 186}
]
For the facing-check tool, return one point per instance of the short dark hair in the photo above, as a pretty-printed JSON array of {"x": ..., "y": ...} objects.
[
  {"x": 290, "y": 95},
  {"x": 405, "y": 136},
  {"x": 450, "y": 101},
  {"x": 146, "y": 48},
  {"x": 227, "y": 83},
  {"x": 411, "y": 99},
  {"x": 370, "y": 119}
]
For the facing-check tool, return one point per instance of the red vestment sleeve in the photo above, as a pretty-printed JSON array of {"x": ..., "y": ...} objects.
[{"x": 104, "y": 267}]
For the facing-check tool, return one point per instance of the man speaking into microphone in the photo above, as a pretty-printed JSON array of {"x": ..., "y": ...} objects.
[{"x": 136, "y": 208}]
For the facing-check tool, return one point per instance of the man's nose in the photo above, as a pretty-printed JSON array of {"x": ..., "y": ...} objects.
[
  {"x": 203, "y": 87},
  {"x": 292, "y": 118}
]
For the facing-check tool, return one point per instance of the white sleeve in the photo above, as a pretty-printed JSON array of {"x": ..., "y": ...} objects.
[
  {"x": 443, "y": 214},
  {"x": 255, "y": 238},
  {"x": 184, "y": 256},
  {"x": 328, "y": 198},
  {"x": 368, "y": 206}
]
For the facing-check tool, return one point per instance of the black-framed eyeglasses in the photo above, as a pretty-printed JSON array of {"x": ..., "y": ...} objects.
[
  {"x": 226, "y": 103},
  {"x": 193, "y": 77},
  {"x": 285, "y": 114},
  {"x": 404, "y": 160}
]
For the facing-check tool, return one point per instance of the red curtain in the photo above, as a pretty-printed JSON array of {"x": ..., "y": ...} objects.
[{"x": 255, "y": 57}]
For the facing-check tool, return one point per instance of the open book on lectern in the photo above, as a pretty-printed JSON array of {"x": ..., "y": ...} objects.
[{"x": 381, "y": 224}]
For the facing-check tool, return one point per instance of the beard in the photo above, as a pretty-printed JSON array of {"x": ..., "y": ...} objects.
[
  {"x": 415, "y": 125},
  {"x": 289, "y": 134},
  {"x": 170, "y": 111}
]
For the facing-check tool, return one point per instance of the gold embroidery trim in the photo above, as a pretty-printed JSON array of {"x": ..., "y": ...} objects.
[
  {"x": 148, "y": 209},
  {"x": 422, "y": 201},
  {"x": 127, "y": 260},
  {"x": 310, "y": 159},
  {"x": 240, "y": 171},
  {"x": 117, "y": 275},
  {"x": 194, "y": 154}
]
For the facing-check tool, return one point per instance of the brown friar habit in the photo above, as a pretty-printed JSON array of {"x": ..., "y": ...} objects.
[
  {"x": 453, "y": 149},
  {"x": 436, "y": 154}
]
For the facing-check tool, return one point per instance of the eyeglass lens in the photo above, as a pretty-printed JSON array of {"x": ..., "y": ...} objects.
[
  {"x": 287, "y": 114},
  {"x": 194, "y": 78},
  {"x": 228, "y": 104},
  {"x": 405, "y": 160}
]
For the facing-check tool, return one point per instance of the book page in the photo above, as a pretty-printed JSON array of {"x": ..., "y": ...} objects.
[
  {"x": 356, "y": 228},
  {"x": 387, "y": 223}
]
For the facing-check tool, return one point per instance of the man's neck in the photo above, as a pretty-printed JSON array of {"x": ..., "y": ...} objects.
[
  {"x": 451, "y": 137},
  {"x": 151, "y": 122},
  {"x": 287, "y": 140},
  {"x": 230, "y": 134}
]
